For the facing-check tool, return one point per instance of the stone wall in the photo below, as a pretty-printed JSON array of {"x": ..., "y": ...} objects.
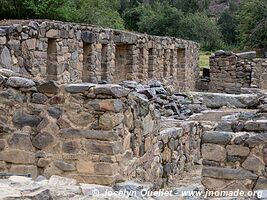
[
  {"x": 235, "y": 154},
  {"x": 230, "y": 72},
  {"x": 68, "y": 52},
  {"x": 95, "y": 133}
]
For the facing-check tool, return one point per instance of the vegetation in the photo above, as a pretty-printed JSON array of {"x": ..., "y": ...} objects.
[{"x": 243, "y": 26}]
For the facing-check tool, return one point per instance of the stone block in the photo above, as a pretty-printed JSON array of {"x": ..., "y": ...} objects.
[
  {"x": 17, "y": 156},
  {"x": 53, "y": 33},
  {"x": 213, "y": 152},
  {"x": 89, "y": 134},
  {"x": 42, "y": 140},
  {"x": 254, "y": 163},
  {"x": 109, "y": 120},
  {"x": 22, "y": 119},
  {"x": 101, "y": 147},
  {"x": 111, "y": 89},
  {"x": 237, "y": 150},
  {"x": 24, "y": 169},
  {"x": 61, "y": 181},
  {"x": 113, "y": 105},
  {"x": 228, "y": 173},
  {"x": 21, "y": 141},
  {"x": 19, "y": 82},
  {"x": 64, "y": 166},
  {"x": 217, "y": 137},
  {"x": 89, "y": 37}
]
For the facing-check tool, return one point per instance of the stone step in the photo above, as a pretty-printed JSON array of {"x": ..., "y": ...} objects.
[
  {"x": 216, "y": 115},
  {"x": 95, "y": 179}
]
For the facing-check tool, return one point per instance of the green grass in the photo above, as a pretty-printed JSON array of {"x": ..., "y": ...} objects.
[{"x": 204, "y": 59}]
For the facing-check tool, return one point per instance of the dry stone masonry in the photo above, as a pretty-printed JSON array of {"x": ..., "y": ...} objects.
[
  {"x": 231, "y": 72},
  {"x": 68, "y": 52},
  {"x": 84, "y": 108}
]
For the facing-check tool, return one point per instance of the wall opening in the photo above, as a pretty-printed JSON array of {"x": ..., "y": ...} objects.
[
  {"x": 104, "y": 59},
  {"x": 51, "y": 69},
  {"x": 173, "y": 62},
  {"x": 150, "y": 63},
  {"x": 181, "y": 58},
  {"x": 87, "y": 72},
  {"x": 122, "y": 62}
]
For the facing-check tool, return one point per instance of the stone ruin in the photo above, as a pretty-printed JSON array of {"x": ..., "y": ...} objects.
[
  {"x": 230, "y": 72},
  {"x": 85, "y": 108}
]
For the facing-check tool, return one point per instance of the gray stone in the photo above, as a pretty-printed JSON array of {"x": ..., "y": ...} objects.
[
  {"x": 7, "y": 72},
  {"x": 89, "y": 134},
  {"x": 5, "y": 58},
  {"x": 111, "y": 89},
  {"x": 61, "y": 181},
  {"x": 78, "y": 87},
  {"x": 89, "y": 189},
  {"x": 256, "y": 139},
  {"x": 217, "y": 137},
  {"x": 88, "y": 37},
  {"x": 70, "y": 147},
  {"x": 54, "y": 112},
  {"x": 19, "y": 82},
  {"x": 237, "y": 150},
  {"x": 49, "y": 87},
  {"x": 39, "y": 98},
  {"x": 247, "y": 55},
  {"x": 129, "y": 84},
  {"x": 64, "y": 166},
  {"x": 42, "y": 140},
  {"x": 22, "y": 119},
  {"x": 21, "y": 141},
  {"x": 261, "y": 184},
  {"x": 218, "y": 100},
  {"x": 254, "y": 163},
  {"x": 40, "y": 194},
  {"x": 227, "y": 173},
  {"x": 213, "y": 152},
  {"x": 132, "y": 186}
]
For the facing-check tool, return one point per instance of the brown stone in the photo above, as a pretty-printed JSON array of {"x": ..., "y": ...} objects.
[
  {"x": 86, "y": 167},
  {"x": 43, "y": 162},
  {"x": 42, "y": 140},
  {"x": 237, "y": 150},
  {"x": 21, "y": 141},
  {"x": 254, "y": 163},
  {"x": 17, "y": 156},
  {"x": 105, "y": 168},
  {"x": 113, "y": 105},
  {"x": 213, "y": 152},
  {"x": 24, "y": 169},
  {"x": 70, "y": 147},
  {"x": 101, "y": 147},
  {"x": 109, "y": 120}
]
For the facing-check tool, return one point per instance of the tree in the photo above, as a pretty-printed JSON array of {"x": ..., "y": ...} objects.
[
  {"x": 228, "y": 27},
  {"x": 252, "y": 25},
  {"x": 101, "y": 12}
]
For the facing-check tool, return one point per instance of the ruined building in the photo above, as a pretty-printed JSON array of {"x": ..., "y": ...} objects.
[{"x": 68, "y": 52}]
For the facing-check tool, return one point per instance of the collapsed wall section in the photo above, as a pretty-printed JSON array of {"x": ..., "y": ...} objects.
[{"x": 67, "y": 52}]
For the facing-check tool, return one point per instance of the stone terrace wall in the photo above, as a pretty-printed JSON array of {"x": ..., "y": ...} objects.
[
  {"x": 93, "y": 133},
  {"x": 230, "y": 72},
  {"x": 68, "y": 52},
  {"x": 235, "y": 154}
]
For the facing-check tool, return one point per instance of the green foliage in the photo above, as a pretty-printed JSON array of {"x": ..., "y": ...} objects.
[
  {"x": 101, "y": 12},
  {"x": 186, "y": 19},
  {"x": 252, "y": 26},
  {"x": 228, "y": 25}
]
